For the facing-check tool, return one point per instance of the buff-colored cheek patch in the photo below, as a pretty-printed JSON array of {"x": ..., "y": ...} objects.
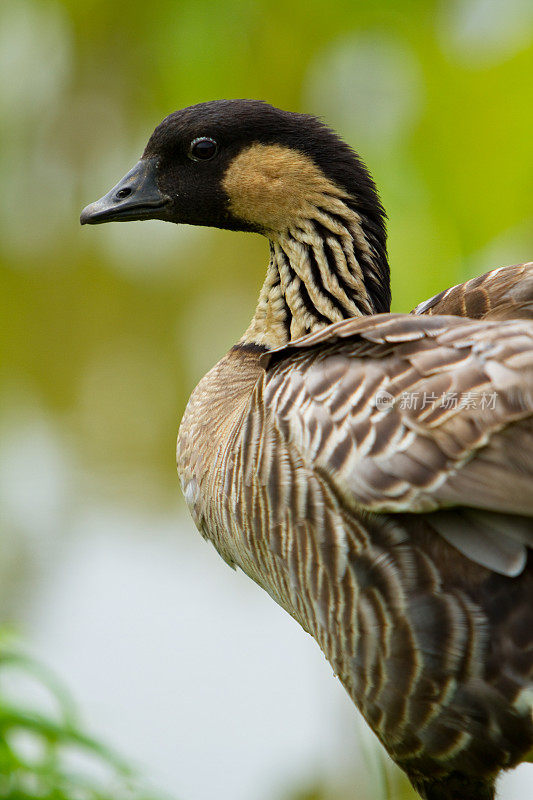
[{"x": 272, "y": 186}]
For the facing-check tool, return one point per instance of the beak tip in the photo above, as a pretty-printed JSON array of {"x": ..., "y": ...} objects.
[{"x": 86, "y": 215}]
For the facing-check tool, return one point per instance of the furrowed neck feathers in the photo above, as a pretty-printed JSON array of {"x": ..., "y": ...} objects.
[{"x": 327, "y": 266}]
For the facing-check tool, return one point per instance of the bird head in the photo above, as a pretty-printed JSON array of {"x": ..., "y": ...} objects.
[{"x": 241, "y": 165}]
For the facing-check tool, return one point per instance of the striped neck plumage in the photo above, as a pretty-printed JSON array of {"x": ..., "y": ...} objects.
[{"x": 330, "y": 266}]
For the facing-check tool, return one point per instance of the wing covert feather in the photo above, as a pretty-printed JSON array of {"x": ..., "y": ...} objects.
[{"x": 503, "y": 293}]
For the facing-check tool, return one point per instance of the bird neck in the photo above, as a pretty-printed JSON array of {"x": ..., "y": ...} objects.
[{"x": 330, "y": 266}]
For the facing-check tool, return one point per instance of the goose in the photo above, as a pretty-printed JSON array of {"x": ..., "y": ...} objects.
[{"x": 373, "y": 472}]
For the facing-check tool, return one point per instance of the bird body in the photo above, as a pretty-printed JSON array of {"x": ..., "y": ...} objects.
[
  {"x": 432, "y": 647},
  {"x": 397, "y": 533}
]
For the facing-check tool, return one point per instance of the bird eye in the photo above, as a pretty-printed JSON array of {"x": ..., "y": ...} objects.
[{"x": 203, "y": 148}]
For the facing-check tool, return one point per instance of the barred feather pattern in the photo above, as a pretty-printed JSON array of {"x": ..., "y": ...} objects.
[
  {"x": 299, "y": 479},
  {"x": 503, "y": 293}
]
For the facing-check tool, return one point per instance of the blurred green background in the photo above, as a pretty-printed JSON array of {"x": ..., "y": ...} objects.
[{"x": 105, "y": 332}]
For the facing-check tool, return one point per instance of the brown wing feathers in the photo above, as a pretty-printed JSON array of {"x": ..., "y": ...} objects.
[
  {"x": 415, "y": 451},
  {"x": 503, "y": 293}
]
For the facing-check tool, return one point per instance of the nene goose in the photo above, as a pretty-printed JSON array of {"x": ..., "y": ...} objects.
[{"x": 396, "y": 532}]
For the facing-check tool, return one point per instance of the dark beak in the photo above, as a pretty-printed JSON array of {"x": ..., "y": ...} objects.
[{"x": 136, "y": 196}]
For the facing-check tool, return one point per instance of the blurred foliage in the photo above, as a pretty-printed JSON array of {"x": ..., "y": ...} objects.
[{"x": 45, "y": 755}]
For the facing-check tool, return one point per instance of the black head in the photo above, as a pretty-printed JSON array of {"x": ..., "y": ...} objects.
[{"x": 238, "y": 164}]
